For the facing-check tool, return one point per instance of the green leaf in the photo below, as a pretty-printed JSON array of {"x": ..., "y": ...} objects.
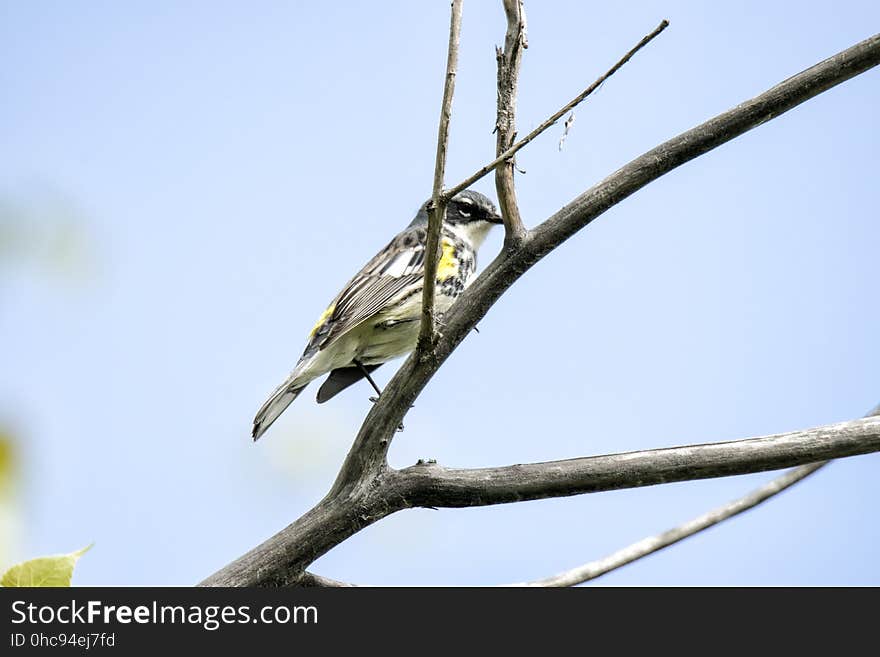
[
  {"x": 7, "y": 465},
  {"x": 44, "y": 571}
]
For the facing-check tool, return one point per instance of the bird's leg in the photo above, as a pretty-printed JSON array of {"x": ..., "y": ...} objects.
[{"x": 366, "y": 374}]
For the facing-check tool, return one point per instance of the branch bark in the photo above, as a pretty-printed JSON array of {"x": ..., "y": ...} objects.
[
  {"x": 509, "y": 62},
  {"x": 652, "y": 544},
  {"x": 365, "y": 489},
  {"x": 437, "y": 211},
  {"x": 577, "y": 100},
  {"x": 431, "y": 485}
]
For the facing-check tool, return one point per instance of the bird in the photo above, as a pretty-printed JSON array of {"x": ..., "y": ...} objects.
[{"x": 376, "y": 316}]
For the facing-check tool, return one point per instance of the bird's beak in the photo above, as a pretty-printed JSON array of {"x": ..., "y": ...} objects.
[{"x": 496, "y": 218}]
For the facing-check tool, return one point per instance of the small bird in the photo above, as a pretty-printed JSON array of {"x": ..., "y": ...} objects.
[{"x": 376, "y": 316}]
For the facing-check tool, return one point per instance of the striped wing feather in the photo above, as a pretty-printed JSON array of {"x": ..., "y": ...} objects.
[{"x": 392, "y": 274}]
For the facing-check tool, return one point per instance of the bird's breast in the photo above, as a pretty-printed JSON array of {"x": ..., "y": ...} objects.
[{"x": 447, "y": 266}]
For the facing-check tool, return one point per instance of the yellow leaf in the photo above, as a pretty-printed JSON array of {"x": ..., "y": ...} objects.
[{"x": 44, "y": 571}]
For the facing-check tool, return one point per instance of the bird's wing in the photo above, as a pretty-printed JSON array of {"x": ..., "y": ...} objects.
[{"x": 393, "y": 273}]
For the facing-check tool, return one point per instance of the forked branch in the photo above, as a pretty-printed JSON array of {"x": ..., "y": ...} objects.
[
  {"x": 367, "y": 490},
  {"x": 509, "y": 154}
]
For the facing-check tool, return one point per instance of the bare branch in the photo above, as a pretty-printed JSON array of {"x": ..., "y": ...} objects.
[
  {"x": 509, "y": 61},
  {"x": 281, "y": 560},
  {"x": 504, "y": 271},
  {"x": 699, "y": 140},
  {"x": 437, "y": 209},
  {"x": 510, "y": 152},
  {"x": 431, "y": 485},
  {"x": 652, "y": 544}
]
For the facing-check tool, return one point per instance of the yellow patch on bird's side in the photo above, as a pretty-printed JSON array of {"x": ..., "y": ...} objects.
[
  {"x": 322, "y": 319},
  {"x": 448, "y": 265}
]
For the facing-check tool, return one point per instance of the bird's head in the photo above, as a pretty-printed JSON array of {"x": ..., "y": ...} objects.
[
  {"x": 469, "y": 207},
  {"x": 468, "y": 213}
]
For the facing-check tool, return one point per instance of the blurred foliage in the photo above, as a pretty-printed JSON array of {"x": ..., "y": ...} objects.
[
  {"x": 44, "y": 228},
  {"x": 42, "y": 232},
  {"x": 9, "y": 525},
  {"x": 7, "y": 462},
  {"x": 44, "y": 571}
]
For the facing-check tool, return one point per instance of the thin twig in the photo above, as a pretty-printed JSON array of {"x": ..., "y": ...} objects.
[
  {"x": 509, "y": 61},
  {"x": 652, "y": 544},
  {"x": 510, "y": 152},
  {"x": 437, "y": 210}
]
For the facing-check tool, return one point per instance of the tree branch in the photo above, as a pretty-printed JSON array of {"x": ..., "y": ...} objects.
[
  {"x": 648, "y": 545},
  {"x": 515, "y": 148},
  {"x": 509, "y": 61},
  {"x": 652, "y": 544},
  {"x": 700, "y": 140},
  {"x": 437, "y": 209},
  {"x": 364, "y": 489},
  {"x": 431, "y": 485}
]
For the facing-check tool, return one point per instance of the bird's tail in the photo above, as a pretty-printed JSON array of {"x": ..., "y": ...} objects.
[{"x": 274, "y": 406}]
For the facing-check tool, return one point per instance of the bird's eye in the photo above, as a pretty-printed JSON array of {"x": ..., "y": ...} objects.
[{"x": 465, "y": 207}]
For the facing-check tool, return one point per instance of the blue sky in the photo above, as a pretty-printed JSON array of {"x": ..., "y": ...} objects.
[{"x": 223, "y": 168}]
